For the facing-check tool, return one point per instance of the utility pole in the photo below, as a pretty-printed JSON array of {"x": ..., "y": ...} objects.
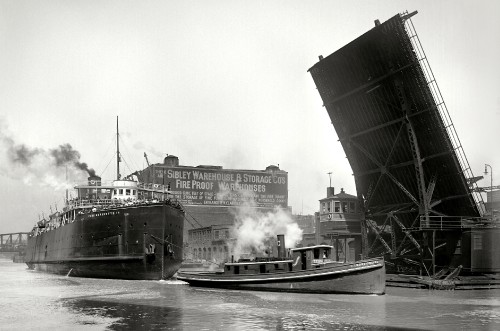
[{"x": 491, "y": 188}]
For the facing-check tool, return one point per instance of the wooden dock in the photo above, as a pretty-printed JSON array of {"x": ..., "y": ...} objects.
[{"x": 484, "y": 282}]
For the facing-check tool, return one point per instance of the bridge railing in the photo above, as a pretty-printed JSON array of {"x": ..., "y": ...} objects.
[
  {"x": 448, "y": 223},
  {"x": 443, "y": 112}
]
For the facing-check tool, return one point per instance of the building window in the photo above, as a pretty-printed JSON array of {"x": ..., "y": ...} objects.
[
  {"x": 127, "y": 192},
  {"x": 121, "y": 191},
  {"x": 329, "y": 206},
  {"x": 216, "y": 235},
  {"x": 114, "y": 192},
  {"x": 337, "y": 207},
  {"x": 344, "y": 207},
  {"x": 352, "y": 207},
  {"x": 324, "y": 207}
]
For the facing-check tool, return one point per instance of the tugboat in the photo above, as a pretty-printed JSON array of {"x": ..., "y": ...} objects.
[
  {"x": 126, "y": 230},
  {"x": 309, "y": 270}
]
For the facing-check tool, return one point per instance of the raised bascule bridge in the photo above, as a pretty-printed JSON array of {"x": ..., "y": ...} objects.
[{"x": 422, "y": 208}]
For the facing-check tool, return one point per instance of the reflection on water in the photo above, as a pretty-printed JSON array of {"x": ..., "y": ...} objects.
[
  {"x": 127, "y": 316},
  {"x": 33, "y": 300}
]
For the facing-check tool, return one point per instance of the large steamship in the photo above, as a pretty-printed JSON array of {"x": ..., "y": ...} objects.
[{"x": 126, "y": 230}]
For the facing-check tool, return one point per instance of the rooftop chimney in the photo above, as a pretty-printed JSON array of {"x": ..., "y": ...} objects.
[{"x": 330, "y": 191}]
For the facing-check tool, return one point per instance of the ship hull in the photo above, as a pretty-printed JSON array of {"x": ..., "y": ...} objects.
[
  {"x": 360, "y": 277},
  {"x": 122, "y": 243}
]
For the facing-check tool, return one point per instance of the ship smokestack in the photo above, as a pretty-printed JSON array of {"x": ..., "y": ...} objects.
[
  {"x": 94, "y": 181},
  {"x": 281, "y": 246}
]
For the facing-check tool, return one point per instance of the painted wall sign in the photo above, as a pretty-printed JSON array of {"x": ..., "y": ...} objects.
[{"x": 220, "y": 187}]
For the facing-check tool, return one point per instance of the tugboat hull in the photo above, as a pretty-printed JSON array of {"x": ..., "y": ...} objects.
[{"x": 360, "y": 277}]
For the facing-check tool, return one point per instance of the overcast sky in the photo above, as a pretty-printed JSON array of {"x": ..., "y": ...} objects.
[{"x": 215, "y": 82}]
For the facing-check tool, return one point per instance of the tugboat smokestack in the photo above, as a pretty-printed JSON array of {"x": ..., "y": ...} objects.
[{"x": 281, "y": 246}]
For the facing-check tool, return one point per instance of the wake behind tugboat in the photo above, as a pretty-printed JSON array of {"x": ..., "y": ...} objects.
[{"x": 126, "y": 230}]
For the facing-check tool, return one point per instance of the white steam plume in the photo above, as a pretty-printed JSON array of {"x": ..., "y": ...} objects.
[{"x": 254, "y": 230}]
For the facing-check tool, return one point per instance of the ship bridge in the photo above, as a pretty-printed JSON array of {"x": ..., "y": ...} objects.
[{"x": 407, "y": 159}]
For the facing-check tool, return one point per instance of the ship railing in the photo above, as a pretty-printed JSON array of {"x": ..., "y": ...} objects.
[
  {"x": 89, "y": 205},
  {"x": 449, "y": 223},
  {"x": 158, "y": 188},
  {"x": 325, "y": 261},
  {"x": 112, "y": 203}
]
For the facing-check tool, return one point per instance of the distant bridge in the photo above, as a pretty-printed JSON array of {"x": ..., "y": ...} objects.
[{"x": 13, "y": 242}]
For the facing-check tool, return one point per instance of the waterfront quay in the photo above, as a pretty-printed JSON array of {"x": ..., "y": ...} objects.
[{"x": 30, "y": 297}]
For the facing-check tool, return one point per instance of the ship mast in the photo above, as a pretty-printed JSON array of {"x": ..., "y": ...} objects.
[
  {"x": 117, "y": 151},
  {"x": 66, "y": 183}
]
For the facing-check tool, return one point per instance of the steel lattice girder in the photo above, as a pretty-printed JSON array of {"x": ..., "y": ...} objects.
[{"x": 389, "y": 125}]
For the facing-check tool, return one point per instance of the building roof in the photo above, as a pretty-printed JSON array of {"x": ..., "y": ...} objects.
[{"x": 341, "y": 196}]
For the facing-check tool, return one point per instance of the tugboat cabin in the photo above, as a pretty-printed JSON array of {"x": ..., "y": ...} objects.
[
  {"x": 304, "y": 258},
  {"x": 312, "y": 256}
]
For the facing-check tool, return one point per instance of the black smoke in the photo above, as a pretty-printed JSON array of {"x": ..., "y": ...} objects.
[
  {"x": 65, "y": 154},
  {"x": 22, "y": 154}
]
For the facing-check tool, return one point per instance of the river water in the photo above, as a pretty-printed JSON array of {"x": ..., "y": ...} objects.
[{"x": 31, "y": 300}]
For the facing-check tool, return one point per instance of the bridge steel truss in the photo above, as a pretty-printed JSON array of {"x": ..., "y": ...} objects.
[
  {"x": 13, "y": 242},
  {"x": 407, "y": 160}
]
